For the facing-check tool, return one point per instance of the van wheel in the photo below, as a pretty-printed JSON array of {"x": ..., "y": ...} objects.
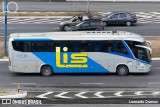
[
  {"x": 122, "y": 70},
  {"x": 128, "y": 23},
  {"x": 46, "y": 71}
]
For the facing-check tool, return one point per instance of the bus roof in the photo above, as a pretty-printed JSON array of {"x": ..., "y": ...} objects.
[{"x": 82, "y": 35}]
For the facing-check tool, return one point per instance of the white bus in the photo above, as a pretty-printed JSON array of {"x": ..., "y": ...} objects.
[{"x": 79, "y": 52}]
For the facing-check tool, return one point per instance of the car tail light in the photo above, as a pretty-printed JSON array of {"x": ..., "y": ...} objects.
[
  {"x": 101, "y": 23},
  {"x": 134, "y": 17}
]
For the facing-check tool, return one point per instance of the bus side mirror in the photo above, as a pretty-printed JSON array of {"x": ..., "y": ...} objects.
[{"x": 148, "y": 43}]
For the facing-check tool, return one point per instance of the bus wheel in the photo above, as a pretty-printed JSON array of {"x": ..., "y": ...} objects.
[
  {"x": 122, "y": 70},
  {"x": 46, "y": 71}
]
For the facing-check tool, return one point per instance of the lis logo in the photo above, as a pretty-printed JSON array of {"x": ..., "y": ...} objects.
[{"x": 78, "y": 60}]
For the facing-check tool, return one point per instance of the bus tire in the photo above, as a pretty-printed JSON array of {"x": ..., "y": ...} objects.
[
  {"x": 122, "y": 70},
  {"x": 47, "y": 71}
]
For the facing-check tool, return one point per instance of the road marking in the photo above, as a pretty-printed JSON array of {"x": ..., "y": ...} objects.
[
  {"x": 157, "y": 67},
  {"x": 8, "y": 28},
  {"x": 44, "y": 95},
  {"x": 81, "y": 95},
  {"x": 93, "y": 83},
  {"x": 61, "y": 95},
  {"x": 55, "y": 28},
  {"x": 119, "y": 93},
  {"x": 98, "y": 94},
  {"x": 156, "y": 93},
  {"x": 23, "y": 83},
  {"x": 138, "y": 93},
  {"x": 154, "y": 83}
]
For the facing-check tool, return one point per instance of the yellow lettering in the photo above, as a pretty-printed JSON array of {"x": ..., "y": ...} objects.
[
  {"x": 78, "y": 60},
  {"x": 58, "y": 57},
  {"x": 65, "y": 58}
]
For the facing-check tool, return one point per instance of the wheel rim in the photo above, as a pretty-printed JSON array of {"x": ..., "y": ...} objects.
[
  {"x": 128, "y": 23},
  {"x": 47, "y": 71},
  {"x": 66, "y": 28},
  {"x": 122, "y": 71}
]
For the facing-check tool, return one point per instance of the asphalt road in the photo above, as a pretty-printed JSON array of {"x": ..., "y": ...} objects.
[
  {"x": 85, "y": 89},
  {"x": 71, "y": 6},
  {"x": 145, "y": 29},
  {"x": 108, "y": 81}
]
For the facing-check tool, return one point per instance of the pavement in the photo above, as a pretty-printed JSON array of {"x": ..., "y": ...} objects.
[{"x": 12, "y": 94}]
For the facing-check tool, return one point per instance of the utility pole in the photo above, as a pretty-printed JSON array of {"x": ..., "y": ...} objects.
[{"x": 6, "y": 28}]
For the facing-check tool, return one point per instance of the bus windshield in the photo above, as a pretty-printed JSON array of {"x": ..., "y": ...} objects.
[{"x": 140, "y": 52}]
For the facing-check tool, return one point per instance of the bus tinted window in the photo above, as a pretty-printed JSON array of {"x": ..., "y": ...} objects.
[
  {"x": 21, "y": 46},
  {"x": 73, "y": 46},
  {"x": 139, "y": 53},
  {"x": 116, "y": 46}
]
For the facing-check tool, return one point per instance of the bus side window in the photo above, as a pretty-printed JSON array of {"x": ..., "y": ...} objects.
[
  {"x": 70, "y": 46},
  {"x": 121, "y": 48},
  {"x": 110, "y": 47},
  {"x": 91, "y": 45},
  {"x": 56, "y": 44},
  {"x": 76, "y": 46},
  {"x": 84, "y": 46},
  {"x": 51, "y": 47},
  {"x": 26, "y": 47},
  {"x": 17, "y": 46},
  {"x": 99, "y": 47},
  {"x": 37, "y": 46},
  {"x": 33, "y": 47}
]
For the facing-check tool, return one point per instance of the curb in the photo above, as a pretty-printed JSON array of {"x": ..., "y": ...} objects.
[
  {"x": 156, "y": 59},
  {"x": 21, "y": 95},
  {"x": 4, "y": 59}
]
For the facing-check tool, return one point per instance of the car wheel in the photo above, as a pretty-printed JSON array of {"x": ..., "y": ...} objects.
[
  {"x": 128, "y": 23},
  {"x": 66, "y": 28},
  {"x": 106, "y": 24},
  {"x": 46, "y": 71},
  {"x": 97, "y": 30},
  {"x": 122, "y": 70}
]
